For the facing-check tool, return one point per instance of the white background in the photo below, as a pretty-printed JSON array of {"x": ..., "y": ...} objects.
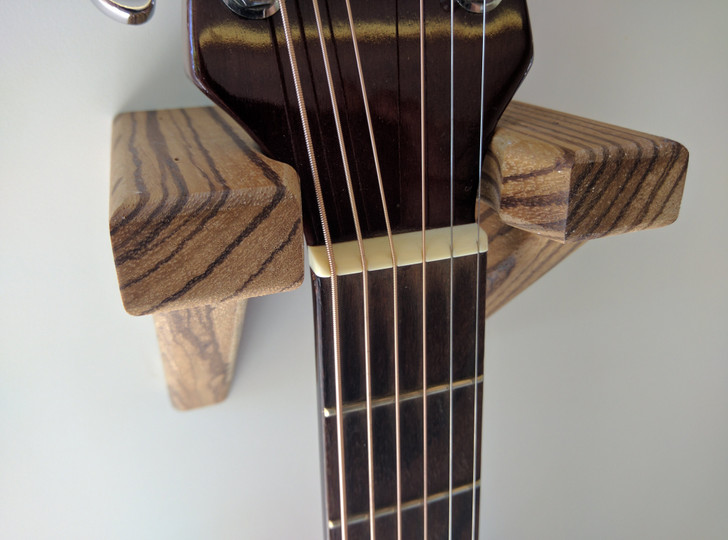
[{"x": 606, "y": 409}]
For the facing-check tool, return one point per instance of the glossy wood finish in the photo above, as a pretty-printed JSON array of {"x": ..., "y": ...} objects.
[
  {"x": 572, "y": 179},
  {"x": 243, "y": 66},
  {"x": 438, "y": 374}
]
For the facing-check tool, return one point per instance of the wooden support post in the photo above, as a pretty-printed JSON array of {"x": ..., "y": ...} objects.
[{"x": 199, "y": 346}]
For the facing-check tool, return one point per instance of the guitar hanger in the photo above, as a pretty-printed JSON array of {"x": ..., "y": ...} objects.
[
  {"x": 204, "y": 213},
  {"x": 548, "y": 148}
]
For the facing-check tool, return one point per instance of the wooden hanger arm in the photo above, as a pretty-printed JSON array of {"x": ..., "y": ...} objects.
[
  {"x": 553, "y": 181},
  {"x": 572, "y": 179},
  {"x": 197, "y": 215},
  {"x": 199, "y": 222}
]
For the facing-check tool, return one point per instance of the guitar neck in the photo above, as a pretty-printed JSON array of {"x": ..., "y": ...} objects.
[
  {"x": 453, "y": 403},
  {"x": 383, "y": 108}
]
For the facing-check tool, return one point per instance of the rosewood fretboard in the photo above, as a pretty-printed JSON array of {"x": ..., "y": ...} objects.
[{"x": 467, "y": 390}]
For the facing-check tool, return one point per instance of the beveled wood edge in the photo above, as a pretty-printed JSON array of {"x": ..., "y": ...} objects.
[
  {"x": 197, "y": 215},
  {"x": 572, "y": 179}
]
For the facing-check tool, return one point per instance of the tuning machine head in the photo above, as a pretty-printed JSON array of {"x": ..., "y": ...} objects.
[
  {"x": 124, "y": 13},
  {"x": 478, "y": 6},
  {"x": 131, "y": 14},
  {"x": 253, "y": 9}
]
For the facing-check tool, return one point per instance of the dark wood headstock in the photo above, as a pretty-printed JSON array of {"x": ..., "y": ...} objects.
[{"x": 242, "y": 65}]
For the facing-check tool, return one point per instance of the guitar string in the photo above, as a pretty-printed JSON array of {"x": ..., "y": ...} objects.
[
  {"x": 424, "y": 269},
  {"x": 477, "y": 282},
  {"x": 365, "y": 269},
  {"x": 395, "y": 293},
  {"x": 331, "y": 261},
  {"x": 364, "y": 264},
  {"x": 452, "y": 260}
]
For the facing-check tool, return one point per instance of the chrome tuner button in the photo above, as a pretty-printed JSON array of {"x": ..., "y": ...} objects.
[
  {"x": 476, "y": 6},
  {"x": 124, "y": 13},
  {"x": 253, "y": 9}
]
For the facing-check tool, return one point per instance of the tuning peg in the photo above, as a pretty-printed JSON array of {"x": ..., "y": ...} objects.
[
  {"x": 477, "y": 6},
  {"x": 124, "y": 13},
  {"x": 253, "y": 9}
]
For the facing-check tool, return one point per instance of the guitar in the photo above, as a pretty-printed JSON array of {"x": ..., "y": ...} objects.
[
  {"x": 398, "y": 263},
  {"x": 384, "y": 109}
]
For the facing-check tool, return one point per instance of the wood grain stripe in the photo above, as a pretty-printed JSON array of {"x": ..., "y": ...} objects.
[
  {"x": 191, "y": 151},
  {"x": 636, "y": 137},
  {"x": 582, "y": 207},
  {"x": 597, "y": 179},
  {"x": 199, "y": 347},
  {"x": 198, "y": 215},
  {"x": 292, "y": 236}
]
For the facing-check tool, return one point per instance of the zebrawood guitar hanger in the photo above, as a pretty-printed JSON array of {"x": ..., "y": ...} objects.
[{"x": 405, "y": 179}]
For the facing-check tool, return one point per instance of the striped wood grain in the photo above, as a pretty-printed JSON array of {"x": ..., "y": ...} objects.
[
  {"x": 179, "y": 209},
  {"x": 199, "y": 346},
  {"x": 553, "y": 181},
  {"x": 197, "y": 215},
  {"x": 571, "y": 179},
  {"x": 516, "y": 259},
  {"x": 199, "y": 221}
]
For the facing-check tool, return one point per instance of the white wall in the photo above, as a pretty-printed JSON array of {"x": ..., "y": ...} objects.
[{"x": 607, "y": 383}]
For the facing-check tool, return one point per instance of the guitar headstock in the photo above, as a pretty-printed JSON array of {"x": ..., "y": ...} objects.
[{"x": 242, "y": 64}]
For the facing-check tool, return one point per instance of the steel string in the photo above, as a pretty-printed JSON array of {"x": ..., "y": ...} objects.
[
  {"x": 332, "y": 267},
  {"x": 481, "y": 155},
  {"x": 365, "y": 270},
  {"x": 424, "y": 267},
  {"x": 452, "y": 260},
  {"x": 395, "y": 295}
]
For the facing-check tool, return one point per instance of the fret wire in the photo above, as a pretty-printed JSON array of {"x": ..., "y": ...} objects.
[
  {"x": 330, "y": 412},
  {"x": 332, "y": 262},
  {"x": 424, "y": 265},
  {"x": 362, "y": 255},
  {"x": 452, "y": 262},
  {"x": 481, "y": 153},
  {"x": 409, "y": 505}
]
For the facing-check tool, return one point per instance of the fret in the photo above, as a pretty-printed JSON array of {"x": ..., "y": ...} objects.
[
  {"x": 389, "y": 400},
  {"x": 409, "y": 505}
]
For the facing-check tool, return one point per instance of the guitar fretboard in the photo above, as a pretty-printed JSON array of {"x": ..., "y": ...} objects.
[{"x": 460, "y": 484}]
